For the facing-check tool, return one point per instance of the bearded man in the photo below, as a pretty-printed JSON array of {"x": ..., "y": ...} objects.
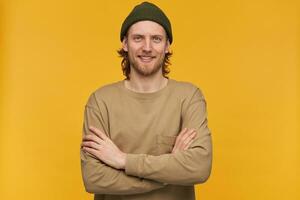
[{"x": 146, "y": 136}]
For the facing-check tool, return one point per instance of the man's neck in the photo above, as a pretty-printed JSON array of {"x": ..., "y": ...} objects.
[{"x": 146, "y": 84}]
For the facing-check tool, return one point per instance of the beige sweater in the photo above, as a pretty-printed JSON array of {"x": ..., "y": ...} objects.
[{"x": 145, "y": 126}]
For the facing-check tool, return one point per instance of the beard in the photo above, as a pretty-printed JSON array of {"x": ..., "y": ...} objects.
[{"x": 146, "y": 69}]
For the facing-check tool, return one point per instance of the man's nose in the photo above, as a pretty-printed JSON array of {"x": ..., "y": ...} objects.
[{"x": 147, "y": 45}]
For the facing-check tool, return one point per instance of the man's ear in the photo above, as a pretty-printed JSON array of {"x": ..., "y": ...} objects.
[
  {"x": 167, "y": 47},
  {"x": 125, "y": 44}
]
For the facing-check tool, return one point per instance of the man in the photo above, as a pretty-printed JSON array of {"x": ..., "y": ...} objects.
[{"x": 145, "y": 137}]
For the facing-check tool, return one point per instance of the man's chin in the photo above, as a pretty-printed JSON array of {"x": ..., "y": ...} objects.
[
  {"x": 146, "y": 69},
  {"x": 144, "y": 72}
]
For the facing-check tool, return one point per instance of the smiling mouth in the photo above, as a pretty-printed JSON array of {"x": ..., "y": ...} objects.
[{"x": 146, "y": 58}]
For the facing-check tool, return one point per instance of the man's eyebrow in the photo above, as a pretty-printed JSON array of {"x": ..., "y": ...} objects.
[
  {"x": 136, "y": 35},
  {"x": 157, "y": 35}
]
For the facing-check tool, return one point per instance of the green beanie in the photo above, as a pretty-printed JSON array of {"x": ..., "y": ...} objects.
[{"x": 147, "y": 11}]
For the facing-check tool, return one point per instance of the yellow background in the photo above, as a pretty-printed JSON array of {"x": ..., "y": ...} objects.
[{"x": 244, "y": 55}]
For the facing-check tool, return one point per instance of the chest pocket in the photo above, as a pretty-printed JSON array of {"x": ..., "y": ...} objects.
[{"x": 164, "y": 144}]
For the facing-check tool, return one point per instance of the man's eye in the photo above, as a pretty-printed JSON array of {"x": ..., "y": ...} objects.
[
  {"x": 157, "y": 39},
  {"x": 137, "y": 38}
]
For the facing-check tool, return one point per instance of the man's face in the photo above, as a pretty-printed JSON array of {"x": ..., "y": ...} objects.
[{"x": 146, "y": 44}]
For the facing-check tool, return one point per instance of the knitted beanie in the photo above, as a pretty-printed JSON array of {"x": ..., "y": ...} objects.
[{"x": 147, "y": 11}]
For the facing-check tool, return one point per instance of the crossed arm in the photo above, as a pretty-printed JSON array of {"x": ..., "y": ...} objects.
[
  {"x": 98, "y": 149},
  {"x": 102, "y": 147},
  {"x": 108, "y": 170}
]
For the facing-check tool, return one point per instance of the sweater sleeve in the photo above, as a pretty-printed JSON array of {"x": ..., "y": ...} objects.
[
  {"x": 187, "y": 167},
  {"x": 99, "y": 178}
]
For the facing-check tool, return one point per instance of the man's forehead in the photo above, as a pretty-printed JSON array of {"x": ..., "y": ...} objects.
[{"x": 147, "y": 27}]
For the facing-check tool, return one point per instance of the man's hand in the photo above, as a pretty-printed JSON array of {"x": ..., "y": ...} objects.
[
  {"x": 101, "y": 146},
  {"x": 184, "y": 139}
]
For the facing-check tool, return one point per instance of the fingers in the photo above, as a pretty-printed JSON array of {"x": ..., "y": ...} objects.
[
  {"x": 92, "y": 137},
  {"x": 189, "y": 140},
  {"x": 188, "y": 134},
  {"x": 90, "y": 150},
  {"x": 188, "y": 145},
  {"x": 184, "y": 140},
  {"x": 92, "y": 141},
  {"x": 90, "y": 145},
  {"x": 177, "y": 142},
  {"x": 98, "y": 133}
]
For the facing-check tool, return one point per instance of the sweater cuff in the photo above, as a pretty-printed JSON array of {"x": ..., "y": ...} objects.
[{"x": 134, "y": 165}]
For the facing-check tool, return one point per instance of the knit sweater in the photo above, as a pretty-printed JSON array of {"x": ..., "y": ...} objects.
[{"x": 145, "y": 127}]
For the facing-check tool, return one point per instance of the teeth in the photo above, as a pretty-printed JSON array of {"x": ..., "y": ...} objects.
[{"x": 146, "y": 58}]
